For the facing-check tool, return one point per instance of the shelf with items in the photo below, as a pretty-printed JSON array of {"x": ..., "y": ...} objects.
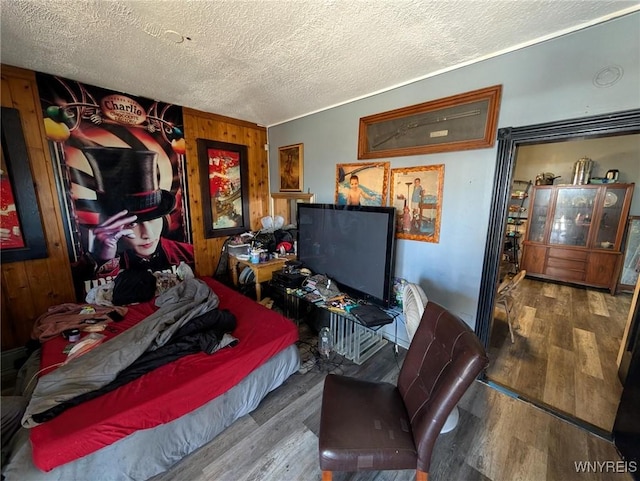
[
  {"x": 574, "y": 233},
  {"x": 516, "y": 222}
]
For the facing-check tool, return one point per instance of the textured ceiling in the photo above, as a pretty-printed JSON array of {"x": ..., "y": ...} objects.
[{"x": 273, "y": 60}]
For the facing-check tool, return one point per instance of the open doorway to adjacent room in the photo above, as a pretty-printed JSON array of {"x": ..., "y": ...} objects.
[{"x": 567, "y": 331}]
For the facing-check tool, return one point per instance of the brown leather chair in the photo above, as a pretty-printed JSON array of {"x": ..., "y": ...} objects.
[{"x": 378, "y": 426}]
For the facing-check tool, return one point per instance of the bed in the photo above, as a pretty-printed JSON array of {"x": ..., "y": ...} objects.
[{"x": 144, "y": 427}]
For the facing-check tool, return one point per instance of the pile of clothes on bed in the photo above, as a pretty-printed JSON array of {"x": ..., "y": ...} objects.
[{"x": 186, "y": 322}]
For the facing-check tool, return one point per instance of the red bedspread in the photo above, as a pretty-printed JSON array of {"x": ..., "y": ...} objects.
[{"x": 166, "y": 393}]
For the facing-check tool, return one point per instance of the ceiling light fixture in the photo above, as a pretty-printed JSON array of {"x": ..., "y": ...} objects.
[
  {"x": 608, "y": 76},
  {"x": 174, "y": 36}
]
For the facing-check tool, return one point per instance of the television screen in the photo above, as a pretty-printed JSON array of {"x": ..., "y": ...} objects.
[{"x": 352, "y": 245}]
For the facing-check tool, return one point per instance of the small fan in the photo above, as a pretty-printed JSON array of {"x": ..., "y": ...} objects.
[{"x": 414, "y": 301}]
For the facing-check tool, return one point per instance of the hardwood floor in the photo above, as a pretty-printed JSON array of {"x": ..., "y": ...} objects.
[
  {"x": 498, "y": 438},
  {"x": 565, "y": 351}
]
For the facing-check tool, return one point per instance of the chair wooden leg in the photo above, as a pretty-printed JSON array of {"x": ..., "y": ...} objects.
[
  {"x": 516, "y": 319},
  {"x": 328, "y": 475},
  {"x": 506, "y": 310},
  {"x": 422, "y": 476}
]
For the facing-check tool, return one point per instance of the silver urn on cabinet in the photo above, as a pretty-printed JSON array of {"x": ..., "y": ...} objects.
[{"x": 582, "y": 171}]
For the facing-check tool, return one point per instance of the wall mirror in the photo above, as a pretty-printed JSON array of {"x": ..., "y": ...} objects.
[{"x": 285, "y": 204}]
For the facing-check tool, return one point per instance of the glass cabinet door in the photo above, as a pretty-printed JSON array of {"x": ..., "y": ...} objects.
[
  {"x": 538, "y": 214},
  {"x": 572, "y": 216},
  {"x": 612, "y": 204}
]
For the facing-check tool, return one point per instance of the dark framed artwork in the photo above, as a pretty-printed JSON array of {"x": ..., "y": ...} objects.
[
  {"x": 22, "y": 236},
  {"x": 416, "y": 193},
  {"x": 362, "y": 184},
  {"x": 461, "y": 122},
  {"x": 291, "y": 166},
  {"x": 631, "y": 253},
  {"x": 225, "y": 186}
]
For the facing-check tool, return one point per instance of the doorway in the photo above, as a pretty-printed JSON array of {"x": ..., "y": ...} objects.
[{"x": 512, "y": 143}]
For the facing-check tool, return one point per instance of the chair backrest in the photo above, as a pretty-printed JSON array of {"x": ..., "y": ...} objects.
[{"x": 444, "y": 358}]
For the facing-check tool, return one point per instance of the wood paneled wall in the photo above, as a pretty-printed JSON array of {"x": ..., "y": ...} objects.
[{"x": 30, "y": 287}]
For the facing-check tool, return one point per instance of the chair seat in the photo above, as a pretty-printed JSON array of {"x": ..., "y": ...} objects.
[{"x": 364, "y": 426}]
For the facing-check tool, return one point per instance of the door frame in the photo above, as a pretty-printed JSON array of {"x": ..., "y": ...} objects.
[
  {"x": 626, "y": 427},
  {"x": 509, "y": 139}
]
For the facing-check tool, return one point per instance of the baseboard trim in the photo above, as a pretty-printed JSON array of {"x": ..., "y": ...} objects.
[{"x": 580, "y": 423}]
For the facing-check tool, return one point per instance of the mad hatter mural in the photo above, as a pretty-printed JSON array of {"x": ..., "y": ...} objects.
[{"x": 119, "y": 164}]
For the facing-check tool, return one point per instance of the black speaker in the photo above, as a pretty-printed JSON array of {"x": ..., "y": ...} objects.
[{"x": 291, "y": 280}]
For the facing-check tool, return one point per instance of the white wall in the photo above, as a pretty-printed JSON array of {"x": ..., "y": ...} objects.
[{"x": 543, "y": 83}]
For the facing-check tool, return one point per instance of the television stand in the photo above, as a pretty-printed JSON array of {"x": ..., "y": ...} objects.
[{"x": 351, "y": 339}]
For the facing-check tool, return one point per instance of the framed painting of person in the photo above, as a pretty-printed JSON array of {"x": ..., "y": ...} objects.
[
  {"x": 291, "y": 167},
  {"x": 362, "y": 183},
  {"x": 416, "y": 193}
]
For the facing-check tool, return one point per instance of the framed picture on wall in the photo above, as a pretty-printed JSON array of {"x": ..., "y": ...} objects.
[
  {"x": 22, "y": 236},
  {"x": 362, "y": 184},
  {"x": 225, "y": 187},
  {"x": 460, "y": 122},
  {"x": 416, "y": 193},
  {"x": 290, "y": 168}
]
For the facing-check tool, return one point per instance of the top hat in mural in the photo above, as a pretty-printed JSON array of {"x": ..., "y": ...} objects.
[{"x": 128, "y": 179}]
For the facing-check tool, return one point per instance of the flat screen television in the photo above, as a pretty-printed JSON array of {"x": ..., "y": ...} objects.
[{"x": 352, "y": 245}]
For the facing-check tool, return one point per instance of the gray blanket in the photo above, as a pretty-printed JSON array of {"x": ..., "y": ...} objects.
[{"x": 102, "y": 364}]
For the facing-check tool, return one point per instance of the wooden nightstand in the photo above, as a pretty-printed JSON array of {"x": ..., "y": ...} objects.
[{"x": 261, "y": 271}]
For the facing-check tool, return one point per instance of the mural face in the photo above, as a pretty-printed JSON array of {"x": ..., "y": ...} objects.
[{"x": 119, "y": 166}]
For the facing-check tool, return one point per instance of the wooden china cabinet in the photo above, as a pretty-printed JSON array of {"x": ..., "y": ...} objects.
[{"x": 574, "y": 233}]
